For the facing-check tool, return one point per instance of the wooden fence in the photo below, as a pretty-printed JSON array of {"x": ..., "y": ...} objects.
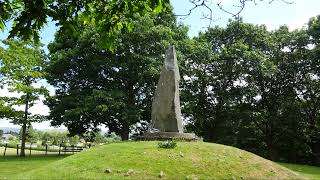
[{"x": 45, "y": 150}]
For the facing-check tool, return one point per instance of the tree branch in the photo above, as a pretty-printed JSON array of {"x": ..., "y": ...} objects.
[{"x": 209, "y": 5}]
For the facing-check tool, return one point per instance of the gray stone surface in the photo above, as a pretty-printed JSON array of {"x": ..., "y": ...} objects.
[
  {"x": 166, "y": 111},
  {"x": 168, "y": 135}
]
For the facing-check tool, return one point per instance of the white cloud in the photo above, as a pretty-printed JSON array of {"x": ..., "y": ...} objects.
[{"x": 6, "y": 123}]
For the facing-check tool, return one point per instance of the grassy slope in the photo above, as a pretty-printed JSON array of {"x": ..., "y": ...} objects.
[
  {"x": 10, "y": 166},
  {"x": 188, "y": 160},
  {"x": 309, "y": 171}
]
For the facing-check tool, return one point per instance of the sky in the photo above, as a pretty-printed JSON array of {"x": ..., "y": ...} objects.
[{"x": 273, "y": 15}]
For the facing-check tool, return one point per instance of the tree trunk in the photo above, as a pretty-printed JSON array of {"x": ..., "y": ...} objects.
[
  {"x": 131, "y": 105},
  {"x": 24, "y": 127},
  {"x": 272, "y": 151},
  {"x": 316, "y": 153},
  {"x": 125, "y": 132},
  {"x": 23, "y": 139},
  {"x": 315, "y": 144}
]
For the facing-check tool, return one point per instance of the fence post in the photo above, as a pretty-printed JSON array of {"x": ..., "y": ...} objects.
[
  {"x": 5, "y": 149},
  {"x": 59, "y": 149},
  {"x": 89, "y": 145},
  {"x": 17, "y": 149},
  {"x": 72, "y": 149},
  {"x": 46, "y": 149}
]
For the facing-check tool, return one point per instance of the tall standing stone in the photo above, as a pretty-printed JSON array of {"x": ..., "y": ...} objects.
[{"x": 166, "y": 111}]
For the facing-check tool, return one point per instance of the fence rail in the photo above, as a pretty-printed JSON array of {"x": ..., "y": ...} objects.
[{"x": 9, "y": 149}]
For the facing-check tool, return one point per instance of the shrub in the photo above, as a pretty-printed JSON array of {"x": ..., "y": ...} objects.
[
  {"x": 167, "y": 144},
  {"x": 112, "y": 137}
]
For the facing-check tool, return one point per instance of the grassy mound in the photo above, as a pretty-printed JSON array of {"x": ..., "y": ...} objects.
[{"x": 144, "y": 160}]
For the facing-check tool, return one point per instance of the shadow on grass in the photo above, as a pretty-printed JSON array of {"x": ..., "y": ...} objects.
[
  {"x": 32, "y": 158},
  {"x": 309, "y": 171}
]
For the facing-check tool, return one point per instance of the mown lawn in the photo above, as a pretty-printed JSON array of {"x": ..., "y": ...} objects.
[
  {"x": 144, "y": 160},
  {"x": 308, "y": 171},
  {"x": 10, "y": 166},
  {"x": 121, "y": 157}
]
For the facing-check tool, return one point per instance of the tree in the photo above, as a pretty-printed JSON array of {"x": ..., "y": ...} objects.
[
  {"x": 32, "y": 135},
  {"x": 46, "y": 138},
  {"x": 98, "y": 87},
  {"x": 98, "y": 137},
  {"x": 256, "y": 90},
  {"x": 54, "y": 138},
  {"x": 306, "y": 52},
  {"x": 108, "y": 16},
  {"x": 60, "y": 138},
  {"x": 220, "y": 65},
  {"x": 74, "y": 140},
  {"x": 22, "y": 67}
]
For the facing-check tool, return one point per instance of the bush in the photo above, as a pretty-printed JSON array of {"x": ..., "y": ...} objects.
[
  {"x": 112, "y": 137},
  {"x": 167, "y": 144}
]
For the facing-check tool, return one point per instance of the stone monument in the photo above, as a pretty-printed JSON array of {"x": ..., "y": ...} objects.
[{"x": 166, "y": 122}]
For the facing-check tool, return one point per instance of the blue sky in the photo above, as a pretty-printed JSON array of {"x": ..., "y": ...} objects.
[{"x": 273, "y": 15}]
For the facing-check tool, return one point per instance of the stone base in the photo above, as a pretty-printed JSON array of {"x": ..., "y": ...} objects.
[{"x": 148, "y": 136}]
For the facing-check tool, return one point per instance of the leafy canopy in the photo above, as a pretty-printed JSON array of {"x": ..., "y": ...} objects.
[
  {"x": 21, "y": 67},
  {"x": 109, "y": 16},
  {"x": 98, "y": 87}
]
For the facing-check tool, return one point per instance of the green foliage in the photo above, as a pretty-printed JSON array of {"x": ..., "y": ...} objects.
[
  {"x": 112, "y": 137},
  {"x": 109, "y": 17},
  {"x": 99, "y": 138},
  {"x": 32, "y": 135},
  {"x": 21, "y": 67},
  {"x": 12, "y": 142},
  {"x": 167, "y": 144},
  {"x": 255, "y": 89},
  {"x": 47, "y": 138},
  {"x": 112, "y": 88},
  {"x": 74, "y": 140},
  {"x": 56, "y": 138}
]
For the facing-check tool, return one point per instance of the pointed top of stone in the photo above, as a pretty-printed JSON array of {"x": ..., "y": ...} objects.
[{"x": 171, "y": 62}]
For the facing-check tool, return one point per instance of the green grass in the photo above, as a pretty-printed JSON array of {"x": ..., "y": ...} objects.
[
  {"x": 308, "y": 171},
  {"x": 144, "y": 160},
  {"x": 12, "y": 166}
]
